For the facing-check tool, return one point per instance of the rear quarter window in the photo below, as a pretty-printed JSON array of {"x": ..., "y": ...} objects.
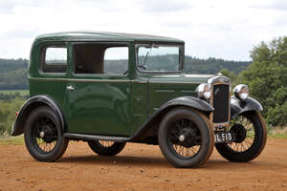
[{"x": 54, "y": 59}]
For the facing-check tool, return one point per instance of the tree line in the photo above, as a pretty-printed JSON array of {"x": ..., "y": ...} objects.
[{"x": 13, "y": 72}]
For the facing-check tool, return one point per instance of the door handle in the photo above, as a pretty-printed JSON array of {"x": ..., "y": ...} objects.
[{"x": 70, "y": 87}]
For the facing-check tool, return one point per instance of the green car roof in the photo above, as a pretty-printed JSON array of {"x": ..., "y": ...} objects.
[{"x": 104, "y": 36}]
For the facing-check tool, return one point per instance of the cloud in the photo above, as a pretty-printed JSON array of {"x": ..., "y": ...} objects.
[
  {"x": 159, "y": 6},
  {"x": 280, "y": 5},
  {"x": 20, "y": 33},
  {"x": 218, "y": 28},
  {"x": 8, "y": 6}
]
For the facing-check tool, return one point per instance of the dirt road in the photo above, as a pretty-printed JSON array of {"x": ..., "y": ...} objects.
[{"x": 140, "y": 167}]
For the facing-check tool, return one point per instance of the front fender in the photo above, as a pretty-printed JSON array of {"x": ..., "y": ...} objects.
[
  {"x": 186, "y": 101},
  {"x": 29, "y": 105},
  {"x": 238, "y": 106},
  {"x": 189, "y": 101}
]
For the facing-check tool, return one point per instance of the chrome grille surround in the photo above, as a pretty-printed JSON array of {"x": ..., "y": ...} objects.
[{"x": 220, "y": 92}]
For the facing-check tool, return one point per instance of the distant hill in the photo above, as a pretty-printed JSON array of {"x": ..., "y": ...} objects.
[
  {"x": 213, "y": 65},
  {"x": 13, "y": 72}
]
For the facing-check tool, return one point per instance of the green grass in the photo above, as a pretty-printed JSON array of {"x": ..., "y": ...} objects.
[
  {"x": 11, "y": 92},
  {"x": 12, "y": 140},
  {"x": 278, "y": 136},
  {"x": 278, "y": 132}
]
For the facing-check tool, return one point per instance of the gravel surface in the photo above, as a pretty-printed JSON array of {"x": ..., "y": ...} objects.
[{"x": 140, "y": 167}]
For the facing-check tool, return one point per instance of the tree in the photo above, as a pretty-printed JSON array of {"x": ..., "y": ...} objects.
[
  {"x": 8, "y": 111},
  {"x": 229, "y": 74},
  {"x": 267, "y": 79}
]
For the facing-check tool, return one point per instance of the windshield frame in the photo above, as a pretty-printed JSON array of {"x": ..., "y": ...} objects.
[{"x": 161, "y": 44}]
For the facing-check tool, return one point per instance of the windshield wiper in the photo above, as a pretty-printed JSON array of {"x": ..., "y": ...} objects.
[{"x": 143, "y": 64}]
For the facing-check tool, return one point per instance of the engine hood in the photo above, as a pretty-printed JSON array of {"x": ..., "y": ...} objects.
[
  {"x": 180, "y": 78},
  {"x": 162, "y": 88}
]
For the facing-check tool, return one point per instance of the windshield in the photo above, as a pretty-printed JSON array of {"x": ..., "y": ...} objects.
[{"x": 158, "y": 58}]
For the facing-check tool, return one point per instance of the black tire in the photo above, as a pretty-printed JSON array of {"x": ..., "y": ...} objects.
[
  {"x": 43, "y": 130},
  {"x": 109, "y": 149},
  {"x": 199, "y": 135},
  {"x": 254, "y": 147}
]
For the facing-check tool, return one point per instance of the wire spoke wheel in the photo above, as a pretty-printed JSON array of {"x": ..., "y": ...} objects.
[
  {"x": 44, "y": 134},
  {"x": 46, "y": 147},
  {"x": 247, "y": 140},
  {"x": 186, "y": 152},
  {"x": 106, "y": 148},
  {"x": 107, "y": 144},
  {"x": 248, "y": 133},
  {"x": 184, "y": 138}
]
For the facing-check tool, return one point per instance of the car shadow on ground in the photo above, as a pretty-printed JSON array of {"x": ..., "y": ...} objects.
[
  {"x": 161, "y": 162},
  {"x": 119, "y": 160}
]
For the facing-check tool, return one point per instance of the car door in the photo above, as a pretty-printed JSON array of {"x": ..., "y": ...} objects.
[{"x": 98, "y": 92}]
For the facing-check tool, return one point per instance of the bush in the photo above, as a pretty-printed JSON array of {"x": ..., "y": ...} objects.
[
  {"x": 8, "y": 111},
  {"x": 267, "y": 79}
]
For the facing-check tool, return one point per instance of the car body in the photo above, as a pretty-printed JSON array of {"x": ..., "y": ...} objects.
[{"x": 108, "y": 87}]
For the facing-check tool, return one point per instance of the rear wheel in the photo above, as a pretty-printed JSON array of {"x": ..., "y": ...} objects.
[
  {"x": 43, "y": 135},
  {"x": 185, "y": 138},
  {"x": 106, "y": 148},
  {"x": 249, "y": 137}
]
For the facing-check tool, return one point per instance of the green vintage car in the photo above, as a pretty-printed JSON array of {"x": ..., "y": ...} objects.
[{"x": 111, "y": 88}]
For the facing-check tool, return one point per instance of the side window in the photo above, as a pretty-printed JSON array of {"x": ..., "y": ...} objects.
[
  {"x": 54, "y": 59},
  {"x": 116, "y": 60},
  {"x": 158, "y": 58},
  {"x": 100, "y": 59}
]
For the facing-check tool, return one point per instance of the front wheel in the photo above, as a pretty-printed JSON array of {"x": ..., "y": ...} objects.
[
  {"x": 185, "y": 138},
  {"x": 249, "y": 137},
  {"x": 106, "y": 148}
]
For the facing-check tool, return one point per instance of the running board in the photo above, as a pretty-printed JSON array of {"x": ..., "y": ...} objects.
[{"x": 85, "y": 137}]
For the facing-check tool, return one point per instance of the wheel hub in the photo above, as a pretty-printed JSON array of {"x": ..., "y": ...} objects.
[
  {"x": 187, "y": 137},
  {"x": 42, "y": 134},
  {"x": 181, "y": 138},
  {"x": 238, "y": 133},
  {"x": 47, "y": 134}
]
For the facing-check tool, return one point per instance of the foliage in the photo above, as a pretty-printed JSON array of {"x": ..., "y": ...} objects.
[
  {"x": 213, "y": 65},
  {"x": 8, "y": 95},
  {"x": 8, "y": 111},
  {"x": 231, "y": 75},
  {"x": 13, "y": 74},
  {"x": 267, "y": 79},
  {"x": 8, "y": 65}
]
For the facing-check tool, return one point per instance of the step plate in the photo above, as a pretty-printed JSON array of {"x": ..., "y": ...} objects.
[{"x": 85, "y": 137}]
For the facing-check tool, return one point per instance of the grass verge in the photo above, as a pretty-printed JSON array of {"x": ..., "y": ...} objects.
[
  {"x": 279, "y": 136},
  {"x": 11, "y": 92},
  {"x": 12, "y": 140},
  {"x": 278, "y": 132}
]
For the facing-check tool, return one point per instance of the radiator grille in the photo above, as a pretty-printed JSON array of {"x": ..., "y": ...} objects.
[{"x": 221, "y": 103}]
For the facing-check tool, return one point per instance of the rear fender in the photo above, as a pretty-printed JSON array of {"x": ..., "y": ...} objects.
[{"x": 31, "y": 104}]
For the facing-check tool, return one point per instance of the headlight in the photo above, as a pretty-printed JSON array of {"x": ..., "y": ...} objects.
[
  {"x": 241, "y": 91},
  {"x": 203, "y": 91}
]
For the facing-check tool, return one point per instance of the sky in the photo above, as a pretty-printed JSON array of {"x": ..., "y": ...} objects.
[{"x": 219, "y": 28}]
